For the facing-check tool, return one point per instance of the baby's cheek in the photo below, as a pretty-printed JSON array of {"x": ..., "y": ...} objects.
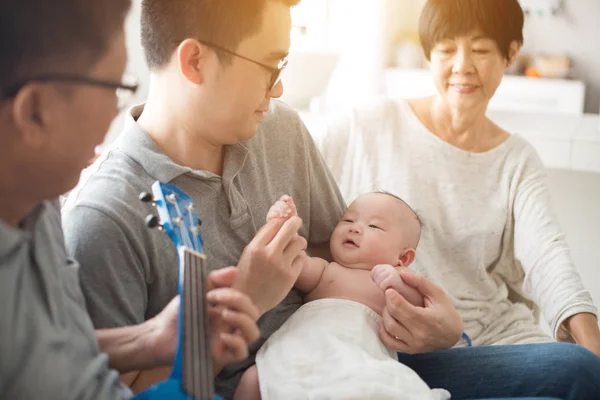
[{"x": 375, "y": 251}]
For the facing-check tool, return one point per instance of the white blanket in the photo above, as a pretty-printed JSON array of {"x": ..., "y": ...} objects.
[{"x": 329, "y": 349}]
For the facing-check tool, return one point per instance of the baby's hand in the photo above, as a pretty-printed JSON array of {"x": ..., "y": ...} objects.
[
  {"x": 386, "y": 276},
  {"x": 283, "y": 208}
]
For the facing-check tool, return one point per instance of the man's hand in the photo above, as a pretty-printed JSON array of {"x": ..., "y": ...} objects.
[
  {"x": 233, "y": 326},
  {"x": 283, "y": 208},
  {"x": 233, "y": 322},
  {"x": 409, "y": 329},
  {"x": 164, "y": 340},
  {"x": 271, "y": 263}
]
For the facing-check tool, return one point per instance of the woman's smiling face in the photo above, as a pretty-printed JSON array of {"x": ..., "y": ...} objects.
[{"x": 468, "y": 69}]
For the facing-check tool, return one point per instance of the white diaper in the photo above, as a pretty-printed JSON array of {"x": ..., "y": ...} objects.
[{"x": 330, "y": 349}]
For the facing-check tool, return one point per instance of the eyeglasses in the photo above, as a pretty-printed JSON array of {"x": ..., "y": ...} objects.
[
  {"x": 275, "y": 72},
  {"x": 125, "y": 90}
]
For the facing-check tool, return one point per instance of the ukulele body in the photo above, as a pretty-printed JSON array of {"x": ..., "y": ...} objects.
[{"x": 168, "y": 390}]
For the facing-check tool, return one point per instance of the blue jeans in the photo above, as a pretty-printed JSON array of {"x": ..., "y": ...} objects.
[{"x": 552, "y": 370}]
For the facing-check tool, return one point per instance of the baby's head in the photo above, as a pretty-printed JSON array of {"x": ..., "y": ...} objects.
[{"x": 377, "y": 228}]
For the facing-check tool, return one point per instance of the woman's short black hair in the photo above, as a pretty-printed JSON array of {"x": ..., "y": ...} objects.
[{"x": 500, "y": 20}]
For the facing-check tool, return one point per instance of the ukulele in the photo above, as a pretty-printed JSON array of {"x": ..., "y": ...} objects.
[{"x": 192, "y": 374}]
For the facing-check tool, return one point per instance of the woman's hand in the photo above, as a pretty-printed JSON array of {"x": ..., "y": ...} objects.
[
  {"x": 583, "y": 327},
  {"x": 387, "y": 277},
  {"x": 409, "y": 329}
]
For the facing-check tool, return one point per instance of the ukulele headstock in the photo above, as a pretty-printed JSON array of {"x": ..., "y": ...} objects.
[{"x": 176, "y": 215}]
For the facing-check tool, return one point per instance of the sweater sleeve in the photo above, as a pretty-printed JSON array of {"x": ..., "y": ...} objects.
[{"x": 551, "y": 279}]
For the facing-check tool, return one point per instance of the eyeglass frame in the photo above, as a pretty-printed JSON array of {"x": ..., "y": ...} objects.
[
  {"x": 275, "y": 72},
  {"x": 13, "y": 90}
]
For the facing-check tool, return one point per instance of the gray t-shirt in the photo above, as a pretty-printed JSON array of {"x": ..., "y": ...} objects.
[
  {"x": 130, "y": 272},
  {"x": 48, "y": 349}
]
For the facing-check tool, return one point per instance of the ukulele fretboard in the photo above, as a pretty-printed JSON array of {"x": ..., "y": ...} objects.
[{"x": 197, "y": 361}]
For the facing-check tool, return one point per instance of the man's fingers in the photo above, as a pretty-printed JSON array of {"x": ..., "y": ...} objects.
[
  {"x": 235, "y": 345},
  {"x": 234, "y": 300},
  {"x": 242, "y": 322},
  {"x": 296, "y": 246},
  {"x": 215, "y": 313},
  {"x": 223, "y": 277},
  {"x": 267, "y": 233},
  {"x": 288, "y": 231}
]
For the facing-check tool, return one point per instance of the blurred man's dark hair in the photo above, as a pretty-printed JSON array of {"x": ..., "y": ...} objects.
[{"x": 41, "y": 37}]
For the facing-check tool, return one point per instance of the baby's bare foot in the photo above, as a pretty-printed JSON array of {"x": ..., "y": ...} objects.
[
  {"x": 387, "y": 277},
  {"x": 283, "y": 208}
]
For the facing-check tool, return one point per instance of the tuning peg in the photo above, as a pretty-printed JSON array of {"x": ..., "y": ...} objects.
[
  {"x": 152, "y": 222},
  {"x": 191, "y": 208},
  {"x": 171, "y": 198},
  {"x": 146, "y": 197}
]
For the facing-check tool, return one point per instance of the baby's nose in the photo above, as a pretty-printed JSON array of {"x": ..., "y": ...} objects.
[{"x": 356, "y": 229}]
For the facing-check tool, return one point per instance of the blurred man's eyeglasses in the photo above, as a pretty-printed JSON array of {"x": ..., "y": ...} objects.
[
  {"x": 275, "y": 72},
  {"x": 125, "y": 90}
]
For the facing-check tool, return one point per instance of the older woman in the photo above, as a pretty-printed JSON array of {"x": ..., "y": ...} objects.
[{"x": 490, "y": 239}]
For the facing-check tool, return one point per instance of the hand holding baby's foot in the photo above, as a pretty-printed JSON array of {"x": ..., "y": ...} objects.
[
  {"x": 283, "y": 208},
  {"x": 387, "y": 277}
]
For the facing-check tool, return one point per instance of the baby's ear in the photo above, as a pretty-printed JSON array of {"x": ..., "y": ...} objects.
[{"x": 406, "y": 257}]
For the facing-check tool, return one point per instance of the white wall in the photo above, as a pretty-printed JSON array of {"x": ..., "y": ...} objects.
[
  {"x": 576, "y": 196},
  {"x": 573, "y": 32},
  {"x": 357, "y": 34}
]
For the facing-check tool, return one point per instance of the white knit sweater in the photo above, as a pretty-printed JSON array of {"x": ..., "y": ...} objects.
[{"x": 490, "y": 236}]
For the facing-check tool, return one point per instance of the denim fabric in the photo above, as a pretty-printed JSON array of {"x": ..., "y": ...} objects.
[{"x": 556, "y": 370}]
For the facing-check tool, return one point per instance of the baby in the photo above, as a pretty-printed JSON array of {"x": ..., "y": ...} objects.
[{"x": 330, "y": 347}]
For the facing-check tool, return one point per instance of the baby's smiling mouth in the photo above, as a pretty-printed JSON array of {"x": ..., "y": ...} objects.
[{"x": 350, "y": 243}]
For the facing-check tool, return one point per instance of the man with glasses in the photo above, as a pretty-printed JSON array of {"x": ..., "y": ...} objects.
[
  {"x": 61, "y": 64},
  {"x": 210, "y": 127},
  {"x": 124, "y": 90}
]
